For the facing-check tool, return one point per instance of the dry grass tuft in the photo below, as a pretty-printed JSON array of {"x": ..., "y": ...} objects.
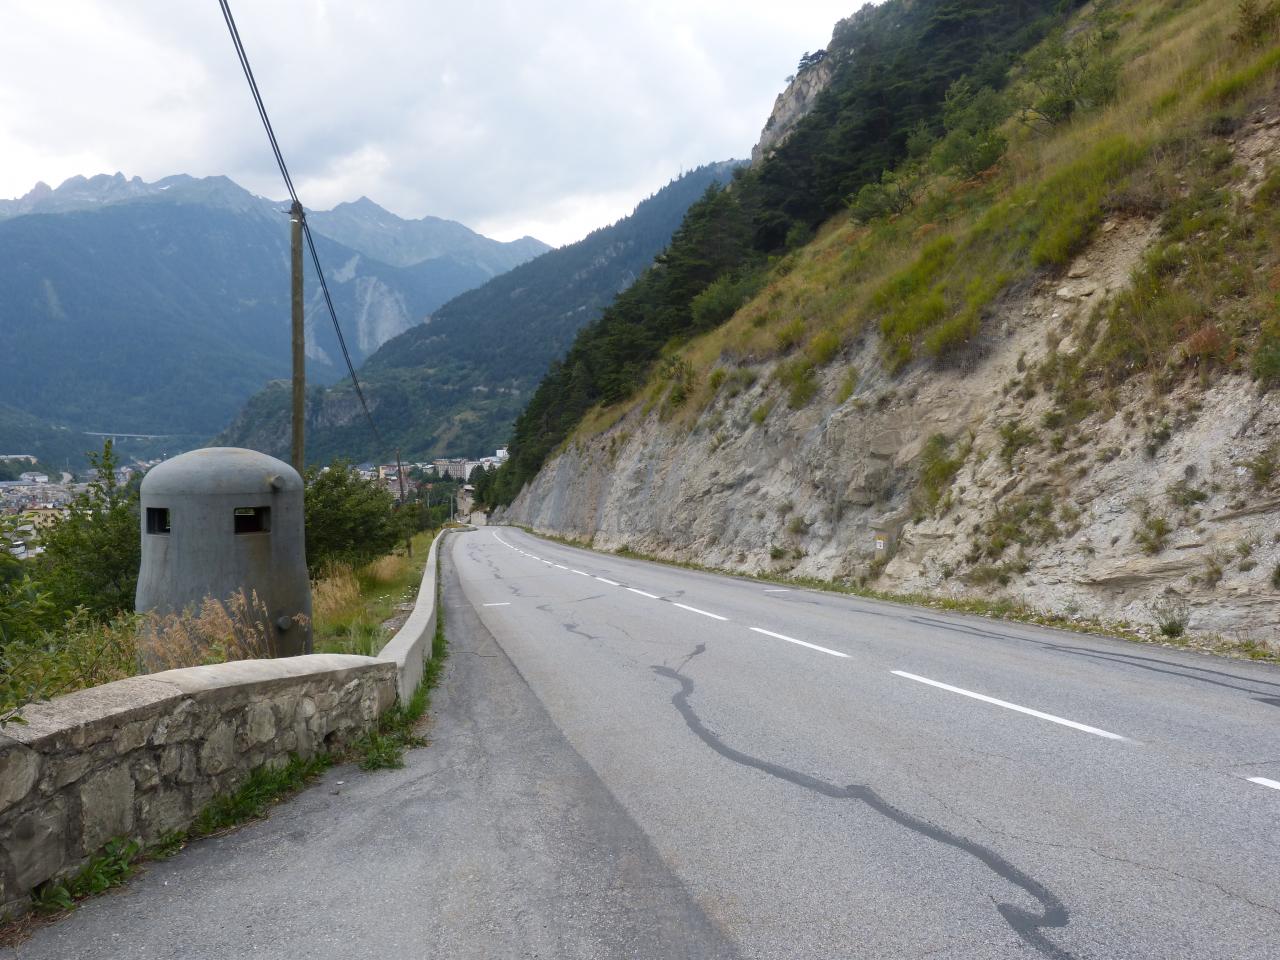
[
  {"x": 388, "y": 569},
  {"x": 336, "y": 593},
  {"x": 236, "y": 629}
]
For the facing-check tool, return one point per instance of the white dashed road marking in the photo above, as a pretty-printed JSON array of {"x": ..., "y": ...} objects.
[
  {"x": 803, "y": 643},
  {"x": 1010, "y": 706},
  {"x": 685, "y": 606}
]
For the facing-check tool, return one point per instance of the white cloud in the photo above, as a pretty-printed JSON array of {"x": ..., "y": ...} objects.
[{"x": 513, "y": 116}]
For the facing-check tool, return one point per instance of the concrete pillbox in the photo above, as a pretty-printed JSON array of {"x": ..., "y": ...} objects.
[{"x": 223, "y": 520}]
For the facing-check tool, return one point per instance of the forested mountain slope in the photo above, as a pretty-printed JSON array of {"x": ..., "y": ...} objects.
[
  {"x": 453, "y": 385},
  {"x": 893, "y": 66},
  {"x": 1035, "y": 363}
]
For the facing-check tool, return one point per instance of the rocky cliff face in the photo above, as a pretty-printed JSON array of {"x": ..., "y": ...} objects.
[
  {"x": 1148, "y": 515},
  {"x": 791, "y": 106}
]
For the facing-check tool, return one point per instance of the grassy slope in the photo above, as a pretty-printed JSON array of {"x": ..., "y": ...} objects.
[
  {"x": 923, "y": 281},
  {"x": 350, "y": 606}
]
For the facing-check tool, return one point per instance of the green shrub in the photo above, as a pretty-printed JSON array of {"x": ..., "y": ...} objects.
[
  {"x": 1266, "y": 357},
  {"x": 26, "y": 609},
  {"x": 937, "y": 469},
  {"x": 80, "y": 653},
  {"x": 761, "y": 413},
  {"x": 348, "y": 519},
  {"x": 1153, "y": 531},
  {"x": 1257, "y": 22},
  {"x": 823, "y": 347},
  {"x": 1262, "y": 468},
  {"x": 1020, "y": 520},
  {"x": 1013, "y": 438},
  {"x": 789, "y": 337},
  {"x": 1062, "y": 78},
  {"x": 895, "y": 193},
  {"x": 1186, "y": 496},
  {"x": 800, "y": 380},
  {"x": 848, "y": 385},
  {"x": 719, "y": 301},
  {"x": 108, "y": 869},
  {"x": 91, "y": 556},
  {"x": 677, "y": 371},
  {"x": 971, "y": 116},
  {"x": 1171, "y": 620}
]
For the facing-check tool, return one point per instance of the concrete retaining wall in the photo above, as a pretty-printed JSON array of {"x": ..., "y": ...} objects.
[
  {"x": 410, "y": 648},
  {"x": 140, "y": 757}
]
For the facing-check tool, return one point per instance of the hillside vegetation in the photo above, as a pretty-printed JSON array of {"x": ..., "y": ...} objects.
[
  {"x": 1040, "y": 345},
  {"x": 895, "y": 65}
]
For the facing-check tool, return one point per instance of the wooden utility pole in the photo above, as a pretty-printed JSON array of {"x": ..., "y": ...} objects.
[
  {"x": 404, "y": 503},
  {"x": 299, "y": 348}
]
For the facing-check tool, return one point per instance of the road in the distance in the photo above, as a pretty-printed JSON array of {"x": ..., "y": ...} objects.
[{"x": 835, "y": 777}]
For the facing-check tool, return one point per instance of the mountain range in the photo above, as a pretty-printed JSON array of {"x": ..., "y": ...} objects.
[
  {"x": 161, "y": 307},
  {"x": 452, "y": 385}
]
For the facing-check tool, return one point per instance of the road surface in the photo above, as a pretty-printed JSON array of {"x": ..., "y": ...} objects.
[{"x": 634, "y": 760}]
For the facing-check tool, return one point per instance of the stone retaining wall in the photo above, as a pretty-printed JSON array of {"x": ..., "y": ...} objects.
[{"x": 140, "y": 757}]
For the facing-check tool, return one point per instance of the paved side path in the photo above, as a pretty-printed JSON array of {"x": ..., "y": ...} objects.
[{"x": 495, "y": 841}]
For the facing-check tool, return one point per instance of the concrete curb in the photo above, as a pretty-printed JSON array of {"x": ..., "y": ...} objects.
[{"x": 410, "y": 648}]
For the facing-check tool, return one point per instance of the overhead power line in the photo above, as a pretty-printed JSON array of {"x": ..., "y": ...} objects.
[{"x": 293, "y": 195}]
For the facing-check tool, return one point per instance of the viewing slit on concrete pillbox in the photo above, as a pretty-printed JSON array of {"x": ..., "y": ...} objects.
[
  {"x": 253, "y": 519},
  {"x": 157, "y": 520}
]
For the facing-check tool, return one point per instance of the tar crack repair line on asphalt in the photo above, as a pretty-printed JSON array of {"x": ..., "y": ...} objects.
[{"x": 1025, "y": 924}]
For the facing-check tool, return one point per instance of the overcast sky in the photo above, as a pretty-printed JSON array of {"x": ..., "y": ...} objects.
[{"x": 512, "y": 116}]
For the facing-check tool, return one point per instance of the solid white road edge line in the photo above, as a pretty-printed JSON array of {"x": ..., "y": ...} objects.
[
  {"x": 651, "y": 596},
  {"x": 504, "y": 604},
  {"x": 803, "y": 643},
  {"x": 560, "y": 566},
  {"x": 612, "y": 583},
  {"x": 780, "y": 590},
  {"x": 1010, "y": 706},
  {"x": 581, "y": 573},
  {"x": 1264, "y": 782},
  {"x": 685, "y": 606}
]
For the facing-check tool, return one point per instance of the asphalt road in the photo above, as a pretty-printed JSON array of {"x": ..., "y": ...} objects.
[
  {"x": 633, "y": 760},
  {"x": 836, "y": 777}
]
